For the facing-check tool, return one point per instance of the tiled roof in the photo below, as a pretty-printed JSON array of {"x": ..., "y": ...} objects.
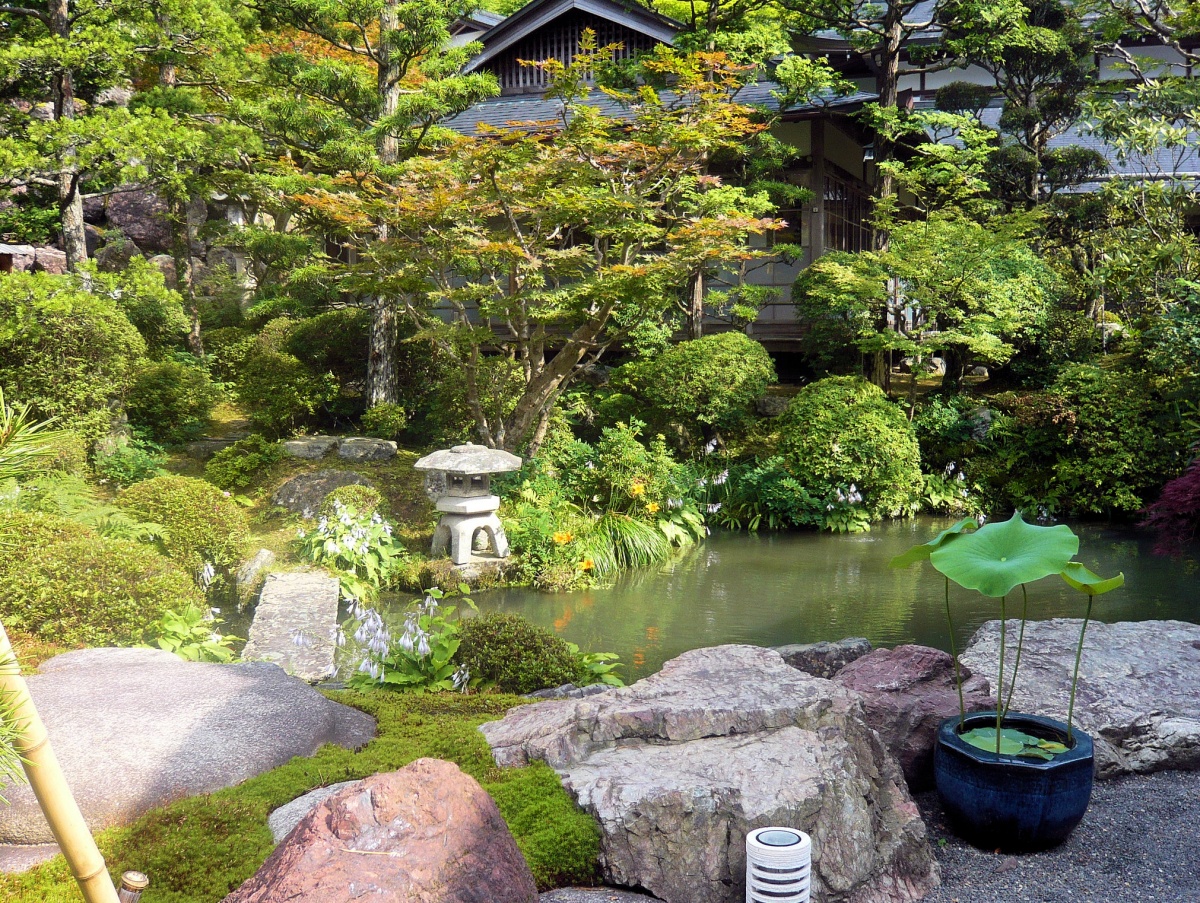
[{"x": 501, "y": 112}]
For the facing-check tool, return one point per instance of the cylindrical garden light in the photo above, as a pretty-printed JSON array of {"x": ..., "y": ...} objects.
[{"x": 778, "y": 866}]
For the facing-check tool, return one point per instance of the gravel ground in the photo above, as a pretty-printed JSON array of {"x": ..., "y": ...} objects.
[{"x": 1139, "y": 841}]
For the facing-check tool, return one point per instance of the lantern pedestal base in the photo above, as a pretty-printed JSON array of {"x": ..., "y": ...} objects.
[{"x": 456, "y": 532}]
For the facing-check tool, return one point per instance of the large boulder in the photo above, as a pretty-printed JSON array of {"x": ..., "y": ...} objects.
[
  {"x": 303, "y": 494},
  {"x": 424, "y": 834},
  {"x": 680, "y": 766},
  {"x": 358, "y": 448},
  {"x": 138, "y": 728},
  {"x": 907, "y": 692},
  {"x": 1139, "y": 686},
  {"x": 142, "y": 216},
  {"x": 311, "y": 448}
]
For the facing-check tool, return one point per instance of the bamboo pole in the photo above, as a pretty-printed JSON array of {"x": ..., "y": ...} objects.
[{"x": 50, "y": 787}]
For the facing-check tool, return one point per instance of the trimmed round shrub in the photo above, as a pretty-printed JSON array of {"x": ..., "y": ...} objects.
[
  {"x": 24, "y": 531},
  {"x": 64, "y": 352},
  {"x": 279, "y": 393},
  {"x": 516, "y": 656},
  {"x": 384, "y": 421},
  {"x": 842, "y": 431},
  {"x": 710, "y": 382},
  {"x": 66, "y": 584},
  {"x": 363, "y": 499},
  {"x": 172, "y": 400},
  {"x": 203, "y": 526},
  {"x": 243, "y": 463}
]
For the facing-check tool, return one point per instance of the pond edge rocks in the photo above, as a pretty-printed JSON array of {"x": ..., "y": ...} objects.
[{"x": 678, "y": 767}]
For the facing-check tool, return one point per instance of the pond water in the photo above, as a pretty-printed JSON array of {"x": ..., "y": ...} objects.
[{"x": 772, "y": 589}]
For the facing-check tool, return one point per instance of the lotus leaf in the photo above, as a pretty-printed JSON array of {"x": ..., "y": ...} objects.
[
  {"x": 999, "y": 556},
  {"x": 1080, "y": 578},
  {"x": 925, "y": 549}
]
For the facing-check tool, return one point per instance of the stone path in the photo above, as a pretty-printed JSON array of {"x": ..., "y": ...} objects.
[
  {"x": 592, "y": 895},
  {"x": 294, "y": 624}
]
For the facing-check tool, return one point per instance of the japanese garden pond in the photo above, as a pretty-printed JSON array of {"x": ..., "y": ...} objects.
[{"x": 771, "y": 589}]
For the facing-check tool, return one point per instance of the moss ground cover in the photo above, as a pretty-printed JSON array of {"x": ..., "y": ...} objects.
[{"x": 199, "y": 849}]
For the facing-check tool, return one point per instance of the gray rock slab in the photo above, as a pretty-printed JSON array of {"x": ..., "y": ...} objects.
[
  {"x": 286, "y": 817},
  {"x": 303, "y": 494},
  {"x": 360, "y": 449},
  {"x": 253, "y": 572},
  {"x": 1139, "y": 686},
  {"x": 824, "y": 659},
  {"x": 294, "y": 624},
  {"x": 680, "y": 766},
  {"x": 138, "y": 728},
  {"x": 310, "y": 447}
]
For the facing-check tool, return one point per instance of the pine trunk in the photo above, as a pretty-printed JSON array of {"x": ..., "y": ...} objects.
[
  {"x": 382, "y": 379},
  {"x": 70, "y": 198}
]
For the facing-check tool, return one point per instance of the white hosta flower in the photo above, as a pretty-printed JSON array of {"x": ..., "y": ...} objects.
[
  {"x": 206, "y": 574},
  {"x": 423, "y": 646},
  {"x": 719, "y": 479}
]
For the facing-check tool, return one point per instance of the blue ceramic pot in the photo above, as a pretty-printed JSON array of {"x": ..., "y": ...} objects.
[{"x": 1013, "y": 803}]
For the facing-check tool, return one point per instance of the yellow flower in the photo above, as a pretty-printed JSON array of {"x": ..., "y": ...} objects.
[
  {"x": 562, "y": 537},
  {"x": 586, "y": 564},
  {"x": 637, "y": 490},
  {"x": 652, "y": 507}
]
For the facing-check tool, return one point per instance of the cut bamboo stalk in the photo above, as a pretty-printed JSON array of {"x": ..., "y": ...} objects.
[{"x": 50, "y": 786}]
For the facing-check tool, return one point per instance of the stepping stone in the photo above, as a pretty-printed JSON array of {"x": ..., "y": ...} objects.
[{"x": 294, "y": 624}]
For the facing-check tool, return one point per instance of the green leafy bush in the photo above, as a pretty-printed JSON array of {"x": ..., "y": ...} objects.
[
  {"x": 384, "y": 421},
  {"x": 65, "y": 352},
  {"x": 1099, "y": 441},
  {"x": 841, "y": 437},
  {"x": 363, "y": 499},
  {"x": 360, "y": 546},
  {"x": 192, "y": 634},
  {"x": 705, "y": 385},
  {"x": 203, "y": 526},
  {"x": 172, "y": 400},
  {"x": 141, "y": 292},
  {"x": 244, "y": 463},
  {"x": 278, "y": 392},
  {"x": 225, "y": 349},
  {"x": 421, "y": 658},
  {"x": 69, "y": 585},
  {"x": 129, "y": 462},
  {"x": 507, "y": 651}
]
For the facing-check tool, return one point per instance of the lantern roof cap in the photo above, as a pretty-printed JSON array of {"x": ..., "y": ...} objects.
[{"x": 470, "y": 459}]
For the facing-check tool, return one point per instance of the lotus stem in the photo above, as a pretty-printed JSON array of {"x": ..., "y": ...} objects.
[
  {"x": 962, "y": 708},
  {"x": 1020, "y": 645},
  {"x": 1075, "y": 677},
  {"x": 1000, "y": 684}
]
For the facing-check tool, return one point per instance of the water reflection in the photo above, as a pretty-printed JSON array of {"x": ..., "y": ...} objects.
[{"x": 804, "y": 587}]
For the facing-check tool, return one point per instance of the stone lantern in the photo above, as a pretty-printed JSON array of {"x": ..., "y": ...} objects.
[{"x": 463, "y": 475}]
